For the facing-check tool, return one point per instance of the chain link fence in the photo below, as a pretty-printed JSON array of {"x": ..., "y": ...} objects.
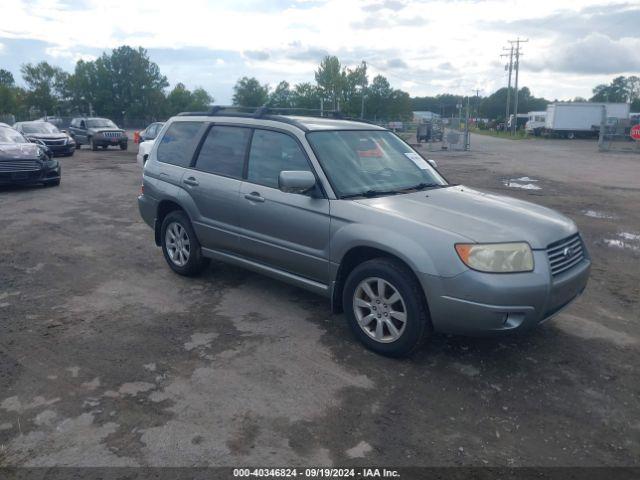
[
  {"x": 437, "y": 134},
  {"x": 616, "y": 134}
]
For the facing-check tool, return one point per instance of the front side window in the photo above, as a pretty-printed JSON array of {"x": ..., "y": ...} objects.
[
  {"x": 371, "y": 162},
  {"x": 178, "y": 143},
  {"x": 271, "y": 153},
  {"x": 223, "y": 151}
]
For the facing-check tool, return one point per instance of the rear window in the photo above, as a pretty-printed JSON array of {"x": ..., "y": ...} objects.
[{"x": 178, "y": 143}]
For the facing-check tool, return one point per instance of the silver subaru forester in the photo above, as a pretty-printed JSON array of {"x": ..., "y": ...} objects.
[{"x": 348, "y": 210}]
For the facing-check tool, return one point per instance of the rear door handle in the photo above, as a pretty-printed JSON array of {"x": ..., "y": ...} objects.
[
  {"x": 191, "y": 181},
  {"x": 254, "y": 197}
]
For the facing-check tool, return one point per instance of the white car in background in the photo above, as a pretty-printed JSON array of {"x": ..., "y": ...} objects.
[{"x": 143, "y": 152}]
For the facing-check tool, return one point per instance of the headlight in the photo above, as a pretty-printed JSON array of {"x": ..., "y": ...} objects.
[{"x": 496, "y": 257}]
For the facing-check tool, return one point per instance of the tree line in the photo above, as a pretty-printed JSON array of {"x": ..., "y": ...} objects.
[
  {"x": 121, "y": 84},
  {"x": 126, "y": 84},
  {"x": 336, "y": 88}
]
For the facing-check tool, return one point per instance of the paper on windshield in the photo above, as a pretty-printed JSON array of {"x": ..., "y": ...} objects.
[{"x": 418, "y": 160}]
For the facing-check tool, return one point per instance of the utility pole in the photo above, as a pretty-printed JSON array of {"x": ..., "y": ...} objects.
[
  {"x": 477, "y": 105},
  {"x": 467, "y": 137},
  {"x": 364, "y": 80},
  {"x": 515, "y": 106},
  {"x": 510, "y": 55}
]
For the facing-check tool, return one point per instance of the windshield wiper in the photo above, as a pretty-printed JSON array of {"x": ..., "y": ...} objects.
[
  {"x": 371, "y": 193},
  {"x": 422, "y": 186}
]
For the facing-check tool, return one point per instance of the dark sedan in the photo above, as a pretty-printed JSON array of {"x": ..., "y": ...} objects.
[
  {"x": 59, "y": 142},
  {"x": 24, "y": 162}
]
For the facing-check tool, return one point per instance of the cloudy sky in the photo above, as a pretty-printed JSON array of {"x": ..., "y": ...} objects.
[{"x": 422, "y": 46}]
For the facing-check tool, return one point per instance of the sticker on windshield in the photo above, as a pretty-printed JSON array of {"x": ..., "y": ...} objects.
[{"x": 418, "y": 160}]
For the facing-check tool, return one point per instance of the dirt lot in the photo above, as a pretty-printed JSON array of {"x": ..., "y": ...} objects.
[{"x": 108, "y": 358}]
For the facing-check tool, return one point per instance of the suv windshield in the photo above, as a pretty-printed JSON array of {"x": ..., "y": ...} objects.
[
  {"x": 100, "y": 122},
  {"x": 9, "y": 135},
  {"x": 371, "y": 162},
  {"x": 41, "y": 127}
]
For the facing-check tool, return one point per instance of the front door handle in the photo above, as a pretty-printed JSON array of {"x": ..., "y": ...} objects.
[
  {"x": 254, "y": 197},
  {"x": 191, "y": 181}
]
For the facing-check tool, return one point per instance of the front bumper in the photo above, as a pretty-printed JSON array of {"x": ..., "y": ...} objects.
[
  {"x": 109, "y": 141},
  {"x": 50, "y": 171},
  {"x": 67, "y": 149},
  {"x": 475, "y": 303}
]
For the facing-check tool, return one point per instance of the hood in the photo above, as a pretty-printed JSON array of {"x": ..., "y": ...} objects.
[
  {"x": 46, "y": 136},
  {"x": 105, "y": 129},
  {"x": 479, "y": 216},
  {"x": 18, "y": 151}
]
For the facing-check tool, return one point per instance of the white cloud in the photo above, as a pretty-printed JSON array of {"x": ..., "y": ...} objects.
[{"x": 424, "y": 47}]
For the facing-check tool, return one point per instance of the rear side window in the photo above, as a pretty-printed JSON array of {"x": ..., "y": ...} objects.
[
  {"x": 223, "y": 151},
  {"x": 178, "y": 143},
  {"x": 271, "y": 153}
]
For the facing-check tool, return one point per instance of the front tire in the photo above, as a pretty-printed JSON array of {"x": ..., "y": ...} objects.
[
  {"x": 180, "y": 245},
  {"x": 385, "y": 307},
  {"x": 94, "y": 147},
  {"x": 123, "y": 146}
]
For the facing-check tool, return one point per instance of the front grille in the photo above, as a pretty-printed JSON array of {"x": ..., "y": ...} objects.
[
  {"x": 55, "y": 142},
  {"x": 111, "y": 134},
  {"x": 565, "y": 254},
  {"x": 20, "y": 166}
]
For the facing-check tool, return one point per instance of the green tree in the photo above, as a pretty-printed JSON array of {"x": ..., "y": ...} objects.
[
  {"x": 6, "y": 78},
  {"x": 200, "y": 100},
  {"x": 44, "y": 84},
  {"x": 133, "y": 78},
  {"x": 8, "y": 97},
  {"x": 306, "y": 95},
  {"x": 621, "y": 89},
  {"x": 378, "y": 98},
  {"x": 282, "y": 96},
  {"x": 354, "y": 87},
  {"x": 248, "y": 92},
  {"x": 180, "y": 99},
  {"x": 330, "y": 78}
]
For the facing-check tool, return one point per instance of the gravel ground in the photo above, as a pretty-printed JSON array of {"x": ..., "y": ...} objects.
[{"x": 108, "y": 358}]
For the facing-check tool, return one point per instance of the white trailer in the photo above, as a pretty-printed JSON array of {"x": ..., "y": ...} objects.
[{"x": 581, "y": 119}]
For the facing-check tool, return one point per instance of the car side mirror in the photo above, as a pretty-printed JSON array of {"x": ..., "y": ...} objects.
[
  {"x": 432, "y": 163},
  {"x": 296, "y": 181}
]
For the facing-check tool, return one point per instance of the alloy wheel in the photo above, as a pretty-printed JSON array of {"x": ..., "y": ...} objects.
[
  {"x": 177, "y": 244},
  {"x": 380, "y": 309}
]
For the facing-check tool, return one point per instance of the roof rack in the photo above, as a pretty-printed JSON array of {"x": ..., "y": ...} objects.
[{"x": 279, "y": 114}]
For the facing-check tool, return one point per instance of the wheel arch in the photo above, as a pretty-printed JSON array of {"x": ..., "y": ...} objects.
[
  {"x": 356, "y": 256},
  {"x": 164, "y": 208}
]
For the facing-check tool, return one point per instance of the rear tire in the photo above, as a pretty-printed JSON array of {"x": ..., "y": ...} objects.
[
  {"x": 180, "y": 245},
  {"x": 391, "y": 328}
]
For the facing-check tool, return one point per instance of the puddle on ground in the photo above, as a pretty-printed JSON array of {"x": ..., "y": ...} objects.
[
  {"x": 626, "y": 240},
  {"x": 519, "y": 183},
  {"x": 596, "y": 214}
]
